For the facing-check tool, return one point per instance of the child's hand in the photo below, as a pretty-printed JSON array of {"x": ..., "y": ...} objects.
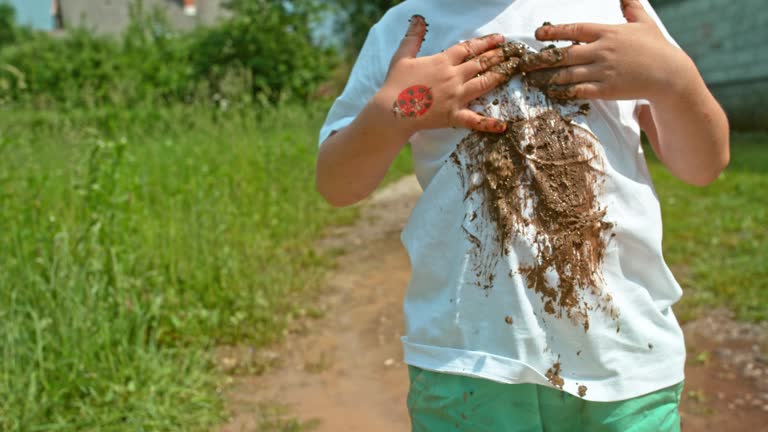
[
  {"x": 618, "y": 62},
  {"x": 434, "y": 92}
]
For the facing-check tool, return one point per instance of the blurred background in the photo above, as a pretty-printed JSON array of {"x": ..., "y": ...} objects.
[{"x": 157, "y": 195}]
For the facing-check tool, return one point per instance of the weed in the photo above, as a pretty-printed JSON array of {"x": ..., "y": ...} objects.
[
  {"x": 133, "y": 243},
  {"x": 715, "y": 237}
]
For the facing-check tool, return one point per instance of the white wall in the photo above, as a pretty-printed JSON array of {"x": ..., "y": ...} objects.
[{"x": 112, "y": 16}]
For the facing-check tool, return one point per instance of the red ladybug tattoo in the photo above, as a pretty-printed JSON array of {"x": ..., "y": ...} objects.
[{"x": 413, "y": 102}]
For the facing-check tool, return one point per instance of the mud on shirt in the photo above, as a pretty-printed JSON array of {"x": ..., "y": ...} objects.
[{"x": 536, "y": 254}]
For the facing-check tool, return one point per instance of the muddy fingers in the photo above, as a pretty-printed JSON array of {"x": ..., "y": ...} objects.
[
  {"x": 508, "y": 69},
  {"x": 545, "y": 58},
  {"x": 513, "y": 49}
]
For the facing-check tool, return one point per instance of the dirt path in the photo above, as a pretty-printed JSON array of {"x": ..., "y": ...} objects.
[{"x": 344, "y": 371}]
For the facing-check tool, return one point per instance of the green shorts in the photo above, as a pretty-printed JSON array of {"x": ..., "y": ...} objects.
[{"x": 442, "y": 402}]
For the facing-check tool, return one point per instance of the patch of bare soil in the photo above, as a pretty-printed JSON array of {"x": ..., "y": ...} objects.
[
  {"x": 726, "y": 375},
  {"x": 344, "y": 372}
]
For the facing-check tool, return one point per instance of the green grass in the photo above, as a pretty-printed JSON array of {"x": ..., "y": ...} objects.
[
  {"x": 716, "y": 238},
  {"x": 133, "y": 243}
]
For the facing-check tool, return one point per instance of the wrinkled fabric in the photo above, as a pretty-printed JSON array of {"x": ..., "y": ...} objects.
[
  {"x": 503, "y": 333},
  {"x": 442, "y": 402}
]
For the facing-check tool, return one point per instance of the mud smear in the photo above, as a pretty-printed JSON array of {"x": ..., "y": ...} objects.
[
  {"x": 582, "y": 390},
  {"x": 519, "y": 59},
  {"x": 539, "y": 182},
  {"x": 553, "y": 375}
]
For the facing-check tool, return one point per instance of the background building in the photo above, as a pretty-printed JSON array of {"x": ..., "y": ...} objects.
[
  {"x": 111, "y": 16},
  {"x": 727, "y": 40}
]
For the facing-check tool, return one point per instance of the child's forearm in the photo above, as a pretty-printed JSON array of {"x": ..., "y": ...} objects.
[
  {"x": 353, "y": 161},
  {"x": 418, "y": 94},
  {"x": 687, "y": 128}
]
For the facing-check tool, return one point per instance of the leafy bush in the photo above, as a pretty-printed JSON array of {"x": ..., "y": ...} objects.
[
  {"x": 7, "y": 24},
  {"x": 271, "y": 42},
  {"x": 356, "y": 17},
  {"x": 79, "y": 69},
  {"x": 264, "y": 51}
]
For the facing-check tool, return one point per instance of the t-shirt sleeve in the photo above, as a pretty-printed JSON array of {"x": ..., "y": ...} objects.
[
  {"x": 366, "y": 78},
  {"x": 664, "y": 31}
]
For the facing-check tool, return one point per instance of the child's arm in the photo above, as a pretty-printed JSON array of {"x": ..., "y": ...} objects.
[
  {"x": 686, "y": 126},
  {"x": 418, "y": 93}
]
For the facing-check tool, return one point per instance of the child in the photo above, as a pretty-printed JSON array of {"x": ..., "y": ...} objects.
[{"x": 539, "y": 298}]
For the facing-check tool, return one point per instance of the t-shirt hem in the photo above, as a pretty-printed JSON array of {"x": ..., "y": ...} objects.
[{"x": 477, "y": 364}]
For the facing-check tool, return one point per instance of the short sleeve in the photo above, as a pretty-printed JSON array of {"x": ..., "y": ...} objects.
[
  {"x": 664, "y": 31},
  {"x": 366, "y": 78}
]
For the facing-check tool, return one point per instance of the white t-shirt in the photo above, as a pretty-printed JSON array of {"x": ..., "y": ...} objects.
[{"x": 501, "y": 327}]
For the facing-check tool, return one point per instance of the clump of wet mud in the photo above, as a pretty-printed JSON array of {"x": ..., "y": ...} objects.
[
  {"x": 582, "y": 390},
  {"x": 553, "y": 375},
  {"x": 540, "y": 181},
  {"x": 519, "y": 59}
]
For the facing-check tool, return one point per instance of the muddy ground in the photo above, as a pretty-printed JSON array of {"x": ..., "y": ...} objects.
[{"x": 343, "y": 372}]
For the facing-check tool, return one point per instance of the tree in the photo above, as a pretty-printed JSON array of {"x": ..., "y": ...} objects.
[
  {"x": 272, "y": 40},
  {"x": 356, "y": 17},
  {"x": 7, "y": 24}
]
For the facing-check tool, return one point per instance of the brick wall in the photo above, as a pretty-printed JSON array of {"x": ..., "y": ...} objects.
[{"x": 727, "y": 40}]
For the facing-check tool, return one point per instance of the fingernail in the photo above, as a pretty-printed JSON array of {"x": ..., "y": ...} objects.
[{"x": 416, "y": 18}]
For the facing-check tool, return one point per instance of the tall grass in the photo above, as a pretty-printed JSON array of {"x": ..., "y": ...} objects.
[
  {"x": 716, "y": 238},
  {"x": 132, "y": 243}
]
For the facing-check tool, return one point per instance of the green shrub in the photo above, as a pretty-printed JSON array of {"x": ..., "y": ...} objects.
[
  {"x": 263, "y": 52},
  {"x": 271, "y": 42},
  {"x": 77, "y": 70},
  {"x": 128, "y": 253},
  {"x": 7, "y": 24}
]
